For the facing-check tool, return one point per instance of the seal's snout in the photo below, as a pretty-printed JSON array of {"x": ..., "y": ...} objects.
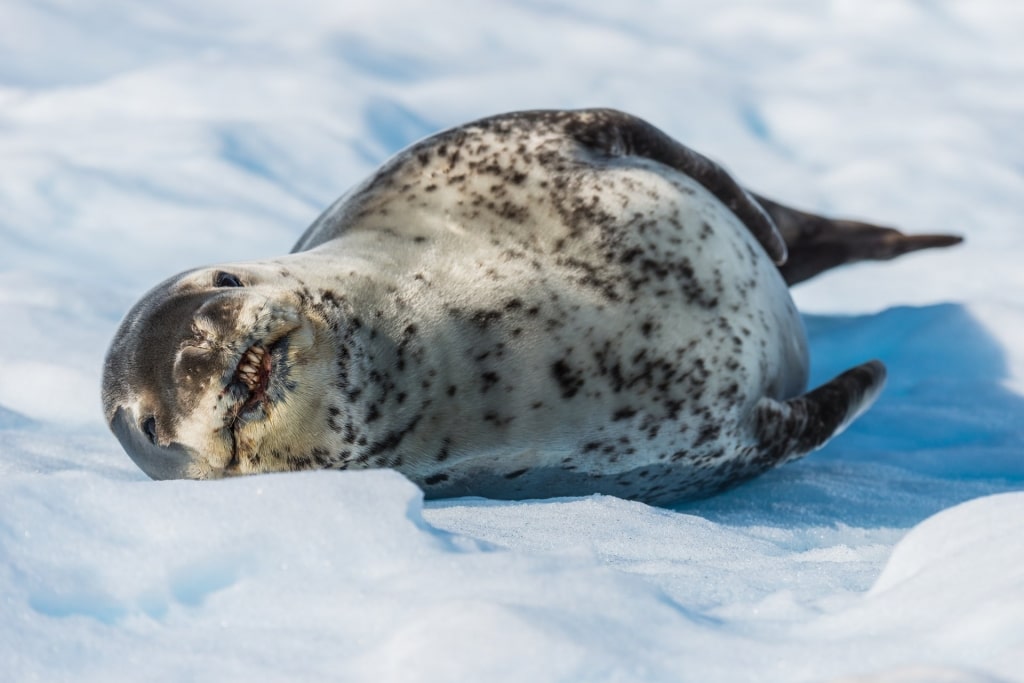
[
  {"x": 159, "y": 462},
  {"x": 219, "y": 316}
]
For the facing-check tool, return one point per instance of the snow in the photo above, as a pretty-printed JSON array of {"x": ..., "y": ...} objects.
[{"x": 141, "y": 139}]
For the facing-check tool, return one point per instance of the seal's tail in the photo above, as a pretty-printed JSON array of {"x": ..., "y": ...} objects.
[
  {"x": 789, "y": 429},
  {"x": 816, "y": 243}
]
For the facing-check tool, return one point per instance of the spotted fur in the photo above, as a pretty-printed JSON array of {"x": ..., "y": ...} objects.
[{"x": 536, "y": 304}]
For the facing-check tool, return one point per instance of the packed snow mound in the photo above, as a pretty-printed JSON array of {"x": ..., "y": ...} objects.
[{"x": 351, "y": 566}]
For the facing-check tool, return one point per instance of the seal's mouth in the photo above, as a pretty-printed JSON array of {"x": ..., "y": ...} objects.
[
  {"x": 251, "y": 379},
  {"x": 257, "y": 381},
  {"x": 253, "y": 372},
  {"x": 254, "y": 381}
]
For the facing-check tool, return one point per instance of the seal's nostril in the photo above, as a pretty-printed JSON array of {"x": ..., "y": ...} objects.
[{"x": 149, "y": 429}]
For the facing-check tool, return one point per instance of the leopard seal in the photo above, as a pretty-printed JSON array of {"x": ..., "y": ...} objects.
[{"x": 536, "y": 304}]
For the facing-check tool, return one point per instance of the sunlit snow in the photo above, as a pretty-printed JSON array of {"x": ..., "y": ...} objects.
[{"x": 140, "y": 139}]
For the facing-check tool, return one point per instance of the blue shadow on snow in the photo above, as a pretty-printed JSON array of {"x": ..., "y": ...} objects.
[{"x": 945, "y": 429}]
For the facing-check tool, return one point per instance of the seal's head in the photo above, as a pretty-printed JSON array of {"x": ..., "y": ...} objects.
[{"x": 212, "y": 368}]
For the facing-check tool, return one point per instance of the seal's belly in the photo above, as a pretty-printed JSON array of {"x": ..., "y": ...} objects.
[{"x": 628, "y": 363}]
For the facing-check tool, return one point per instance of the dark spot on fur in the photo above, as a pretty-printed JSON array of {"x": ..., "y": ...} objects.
[
  {"x": 487, "y": 381},
  {"x": 392, "y": 439},
  {"x": 708, "y": 432},
  {"x": 569, "y": 381},
  {"x": 445, "y": 451},
  {"x": 623, "y": 414},
  {"x": 484, "y": 319},
  {"x": 320, "y": 456}
]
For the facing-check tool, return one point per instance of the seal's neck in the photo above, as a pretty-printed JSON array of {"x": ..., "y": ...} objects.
[{"x": 379, "y": 404}]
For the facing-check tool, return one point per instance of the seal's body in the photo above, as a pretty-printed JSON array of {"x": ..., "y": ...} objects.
[{"x": 531, "y": 305}]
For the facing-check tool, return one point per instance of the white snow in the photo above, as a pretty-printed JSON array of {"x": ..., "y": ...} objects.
[{"x": 139, "y": 139}]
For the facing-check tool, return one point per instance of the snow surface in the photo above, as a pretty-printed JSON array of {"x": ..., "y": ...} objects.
[{"x": 139, "y": 139}]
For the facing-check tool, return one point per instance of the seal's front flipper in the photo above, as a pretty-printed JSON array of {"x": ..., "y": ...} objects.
[
  {"x": 816, "y": 243},
  {"x": 789, "y": 429}
]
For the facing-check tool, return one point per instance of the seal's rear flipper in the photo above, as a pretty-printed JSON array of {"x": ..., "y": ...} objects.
[
  {"x": 816, "y": 243},
  {"x": 789, "y": 429}
]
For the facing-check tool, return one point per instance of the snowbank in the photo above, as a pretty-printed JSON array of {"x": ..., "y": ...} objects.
[{"x": 139, "y": 140}]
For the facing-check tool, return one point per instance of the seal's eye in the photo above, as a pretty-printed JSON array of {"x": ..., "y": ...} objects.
[
  {"x": 222, "y": 279},
  {"x": 149, "y": 429}
]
